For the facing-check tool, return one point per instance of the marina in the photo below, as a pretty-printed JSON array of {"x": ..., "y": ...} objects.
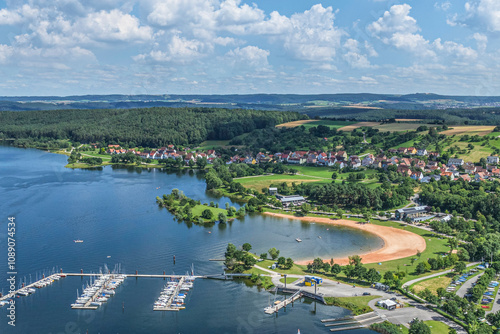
[
  {"x": 99, "y": 292},
  {"x": 173, "y": 294},
  {"x": 122, "y": 230},
  {"x": 29, "y": 289}
]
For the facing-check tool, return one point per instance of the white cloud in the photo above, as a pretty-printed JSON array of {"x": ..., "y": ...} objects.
[
  {"x": 481, "y": 40},
  {"x": 113, "y": 26},
  {"x": 313, "y": 36},
  {"x": 445, "y": 6},
  {"x": 484, "y": 13},
  {"x": 396, "y": 27},
  {"x": 458, "y": 50},
  {"x": 178, "y": 50},
  {"x": 395, "y": 20},
  {"x": 232, "y": 12},
  {"x": 248, "y": 56}
]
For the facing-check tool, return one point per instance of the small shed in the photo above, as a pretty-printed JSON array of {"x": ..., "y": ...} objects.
[{"x": 273, "y": 191}]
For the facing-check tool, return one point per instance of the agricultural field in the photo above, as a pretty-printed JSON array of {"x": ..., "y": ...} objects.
[
  {"x": 313, "y": 123},
  {"x": 212, "y": 144},
  {"x": 264, "y": 181},
  {"x": 471, "y": 130},
  {"x": 358, "y": 125},
  {"x": 480, "y": 150},
  {"x": 295, "y": 123},
  {"x": 432, "y": 284},
  {"x": 396, "y": 127}
]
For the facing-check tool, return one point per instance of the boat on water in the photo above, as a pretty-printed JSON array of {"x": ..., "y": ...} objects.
[
  {"x": 3, "y": 303},
  {"x": 78, "y": 241},
  {"x": 298, "y": 240}
]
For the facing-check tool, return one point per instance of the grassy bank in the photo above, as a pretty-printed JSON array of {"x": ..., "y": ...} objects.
[{"x": 358, "y": 305}]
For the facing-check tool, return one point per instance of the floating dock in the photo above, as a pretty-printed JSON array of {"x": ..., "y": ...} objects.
[
  {"x": 275, "y": 308},
  {"x": 32, "y": 285},
  {"x": 169, "y": 307},
  {"x": 87, "y": 305}
]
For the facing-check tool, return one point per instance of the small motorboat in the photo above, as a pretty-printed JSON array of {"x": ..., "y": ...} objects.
[
  {"x": 78, "y": 241},
  {"x": 298, "y": 240}
]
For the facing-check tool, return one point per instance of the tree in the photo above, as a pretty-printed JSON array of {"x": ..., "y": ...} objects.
[
  {"x": 349, "y": 271},
  {"x": 372, "y": 276},
  {"x": 336, "y": 269},
  {"x": 230, "y": 251},
  {"x": 246, "y": 247},
  {"x": 263, "y": 256},
  {"x": 326, "y": 267},
  {"x": 355, "y": 260},
  {"x": 222, "y": 217},
  {"x": 274, "y": 253},
  {"x": 421, "y": 268},
  {"x": 419, "y": 327},
  {"x": 191, "y": 163},
  {"x": 289, "y": 263},
  {"x": 453, "y": 243},
  {"x": 412, "y": 260},
  {"x": 460, "y": 267},
  {"x": 249, "y": 260},
  {"x": 207, "y": 214},
  {"x": 281, "y": 261},
  {"x": 201, "y": 163},
  {"x": 317, "y": 263}
]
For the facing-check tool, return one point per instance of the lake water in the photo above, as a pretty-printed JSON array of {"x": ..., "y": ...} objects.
[{"x": 114, "y": 211}]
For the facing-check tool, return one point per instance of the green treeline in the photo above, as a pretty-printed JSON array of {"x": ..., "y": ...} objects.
[
  {"x": 474, "y": 199},
  {"x": 358, "y": 195},
  {"x": 152, "y": 127},
  {"x": 281, "y": 139},
  {"x": 472, "y": 116}
]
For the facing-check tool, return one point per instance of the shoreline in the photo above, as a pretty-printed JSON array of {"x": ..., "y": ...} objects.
[{"x": 398, "y": 243}]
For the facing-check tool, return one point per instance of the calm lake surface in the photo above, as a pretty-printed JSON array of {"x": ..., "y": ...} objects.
[{"x": 114, "y": 211}]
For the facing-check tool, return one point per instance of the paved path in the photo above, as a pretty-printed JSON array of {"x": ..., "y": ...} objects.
[
  {"x": 403, "y": 316},
  {"x": 468, "y": 284},
  {"x": 434, "y": 275}
]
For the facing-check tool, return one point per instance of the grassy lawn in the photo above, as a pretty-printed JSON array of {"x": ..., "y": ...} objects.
[
  {"x": 265, "y": 181},
  {"x": 434, "y": 247},
  {"x": 211, "y": 144},
  {"x": 432, "y": 284},
  {"x": 359, "y": 305},
  {"x": 394, "y": 127},
  {"x": 198, "y": 209},
  {"x": 296, "y": 269},
  {"x": 330, "y": 124},
  {"x": 325, "y": 172},
  {"x": 288, "y": 280},
  {"x": 437, "y": 327}
]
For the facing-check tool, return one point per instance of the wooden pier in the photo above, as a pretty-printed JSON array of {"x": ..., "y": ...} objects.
[
  {"x": 275, "y": 308},
  {"x": 87, "y": 305},
  {"x": 32, "y": 285},
  {"x": 169, "y": 307}
]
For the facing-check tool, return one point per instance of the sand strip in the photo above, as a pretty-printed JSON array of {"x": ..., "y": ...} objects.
[{"x": 398, "y": 243}]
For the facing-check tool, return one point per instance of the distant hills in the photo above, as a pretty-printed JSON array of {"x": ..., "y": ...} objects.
[{"x": 308, "y": 104}]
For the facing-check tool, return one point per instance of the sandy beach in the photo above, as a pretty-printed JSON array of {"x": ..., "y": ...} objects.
[{"x": 397, "y": 243}]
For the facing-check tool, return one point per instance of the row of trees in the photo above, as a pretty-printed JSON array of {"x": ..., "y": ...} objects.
[{"x": 146, "y": 127}]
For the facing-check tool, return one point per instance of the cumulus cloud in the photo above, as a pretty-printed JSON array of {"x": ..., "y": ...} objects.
[
  {"x": 395, "y": 20},
  {"x": 251, "y": 56},
  {"x": 483, "y": 13},
  {"x": 397, "y": 28}
]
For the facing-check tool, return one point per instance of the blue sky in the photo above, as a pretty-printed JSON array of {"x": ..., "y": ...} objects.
[{"x": 76, "y": 47}]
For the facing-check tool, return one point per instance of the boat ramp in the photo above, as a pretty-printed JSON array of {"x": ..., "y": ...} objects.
[{"x": 350, "y": 322}]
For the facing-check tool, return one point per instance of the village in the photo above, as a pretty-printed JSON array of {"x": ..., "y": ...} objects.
[{"x": 419, "y": 164}]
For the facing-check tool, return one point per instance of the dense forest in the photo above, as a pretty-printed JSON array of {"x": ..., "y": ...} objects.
[
  {"x": 473, "y": 116},
  {"x": 153, "y": 127},
  {"x": 281, "y": 139},
  {"x": 352, "y": 195}
]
